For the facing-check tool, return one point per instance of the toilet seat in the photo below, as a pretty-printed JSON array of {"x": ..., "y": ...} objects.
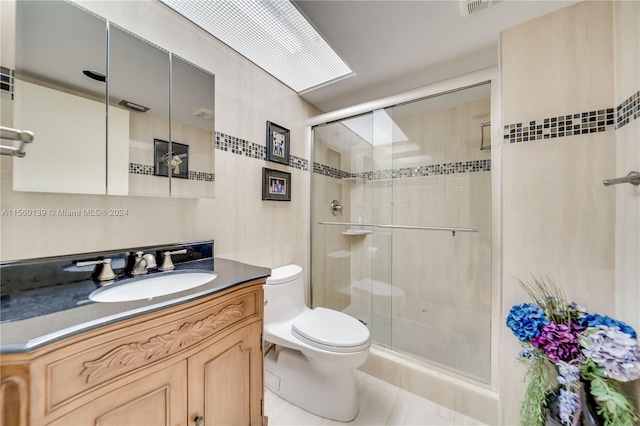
[{"x": 331, "y": 331}]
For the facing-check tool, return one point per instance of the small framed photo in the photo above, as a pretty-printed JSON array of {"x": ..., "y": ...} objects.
[
  {"x": 276, "y": 185},
  {"x": 177, "y": 159},
  {"x": 277, "y": 143}
]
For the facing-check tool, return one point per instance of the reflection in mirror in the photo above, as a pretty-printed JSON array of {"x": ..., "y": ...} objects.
[
  {"x": 192, "y": 131},
  {"x": 139, "y": 81},
  {"x": 65, "y": 109}
]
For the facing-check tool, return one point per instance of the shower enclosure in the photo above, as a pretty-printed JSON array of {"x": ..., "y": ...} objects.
[{"x": 401, "y": 226}]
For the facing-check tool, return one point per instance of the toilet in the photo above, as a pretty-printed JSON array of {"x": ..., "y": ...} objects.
[{"x": 316, "y": 351}]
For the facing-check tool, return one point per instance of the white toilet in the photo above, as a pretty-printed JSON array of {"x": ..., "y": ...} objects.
[{"x": 316, "y": 351}]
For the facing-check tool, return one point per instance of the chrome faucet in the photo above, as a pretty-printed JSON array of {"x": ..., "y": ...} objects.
[{"x": 143, "y": 262}]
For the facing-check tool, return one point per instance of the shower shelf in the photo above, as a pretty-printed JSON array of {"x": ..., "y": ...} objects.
[
  {"x": 353, "y": 179},
  {"x": 357, "y": 232}
]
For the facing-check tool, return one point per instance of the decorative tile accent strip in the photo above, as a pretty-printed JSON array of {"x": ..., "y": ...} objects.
[
  {"x": 6, "y": 82},
  {"x": 298, "y": 162},
  {"x": 564, "y": 125},
  {"x": 330, "y": 171},
  {"x": 406, "y": 172},
  {"x": 144, "y": 169},
  {"x": 629, "y": 110},
  {"x": 249, "y": 149},
  {"x": 141, "y": 169},
  {"x": 602, "y": 120},
  {"x": 240, "y": 146},
  {"x": 443, "y": 169},
  {"x": 203, "y": 176}
]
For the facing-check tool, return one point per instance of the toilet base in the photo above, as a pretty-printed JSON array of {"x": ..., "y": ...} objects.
[{"x": 325, "y": 392}]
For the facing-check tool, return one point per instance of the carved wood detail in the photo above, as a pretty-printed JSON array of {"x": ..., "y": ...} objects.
[
  {"x": 159, "y": 346},
  {"x": 15, "y": 396}
]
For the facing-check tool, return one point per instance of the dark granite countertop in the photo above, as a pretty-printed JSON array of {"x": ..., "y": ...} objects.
[{"x": 36, "y": 318}]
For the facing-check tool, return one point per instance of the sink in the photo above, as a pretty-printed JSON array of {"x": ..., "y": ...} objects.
[{"x": 152, "y": 286}]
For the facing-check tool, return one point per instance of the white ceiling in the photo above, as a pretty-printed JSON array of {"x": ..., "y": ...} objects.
[{"x": 396, "y": 45}]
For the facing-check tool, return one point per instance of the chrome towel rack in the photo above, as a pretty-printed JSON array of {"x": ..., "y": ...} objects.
[
  {"x": 453, "y": 230},
  {"x": 23, "y": 136},
  {"x": 633, "y": 178}
]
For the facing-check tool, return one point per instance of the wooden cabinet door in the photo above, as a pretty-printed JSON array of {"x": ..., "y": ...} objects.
[
  {"x": 157, "y": 399},
  {"x": 225, "y": 380}
]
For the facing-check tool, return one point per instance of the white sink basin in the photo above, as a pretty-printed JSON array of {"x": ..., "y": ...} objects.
[{"x": 152, "y": 286}]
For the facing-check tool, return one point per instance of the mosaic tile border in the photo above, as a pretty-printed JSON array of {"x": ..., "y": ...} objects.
[
  {"x": 408, "y": 172},
  {"x": 321, "y": 169},
  {"x": 7, "y": 82},
  {"x": 602, "y": 120},
  {"x": 246, "y": 148},
  {"x": 629, "y": 110},
  {"x": 145, "y": 169}
]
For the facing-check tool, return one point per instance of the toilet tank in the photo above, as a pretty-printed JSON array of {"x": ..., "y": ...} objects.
[{"x": 284, "y": 294}]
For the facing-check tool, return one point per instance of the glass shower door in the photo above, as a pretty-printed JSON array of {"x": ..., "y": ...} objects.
[
  {"x": 442, "y": 278},
  {"x": 400, "y": 175}
]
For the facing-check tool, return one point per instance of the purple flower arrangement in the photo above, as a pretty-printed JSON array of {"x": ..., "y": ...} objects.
[{"x": 590, "y": 352}]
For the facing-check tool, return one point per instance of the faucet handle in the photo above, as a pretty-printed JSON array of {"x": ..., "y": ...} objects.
[
  {"x": 167, "y": 263},
  {"x": 106, "y": 272}
]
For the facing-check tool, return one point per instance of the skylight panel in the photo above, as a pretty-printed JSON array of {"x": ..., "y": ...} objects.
[{"x": 273, "y": 34}]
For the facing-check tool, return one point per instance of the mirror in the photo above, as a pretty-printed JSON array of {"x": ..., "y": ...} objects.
[
  {"x": 155, "y": 100},
  {"x": 64, "y": 108},
  {"x": 192, "y": 133},
  {"x": 139, "y": 74}
]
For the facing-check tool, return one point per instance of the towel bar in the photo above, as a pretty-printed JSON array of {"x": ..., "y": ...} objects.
[{"x": 633, "y": 178}]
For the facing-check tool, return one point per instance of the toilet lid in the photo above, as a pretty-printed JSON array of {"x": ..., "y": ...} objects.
[
  {"x": 331, "y": 330},
  {"x": 284, "y": 274}
]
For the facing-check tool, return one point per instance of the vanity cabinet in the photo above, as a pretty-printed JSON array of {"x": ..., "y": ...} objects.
[{"x": 198, "y": 363}]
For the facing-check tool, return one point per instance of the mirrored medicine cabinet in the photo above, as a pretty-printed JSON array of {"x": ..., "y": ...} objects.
[{"x": 111, "y": 112}]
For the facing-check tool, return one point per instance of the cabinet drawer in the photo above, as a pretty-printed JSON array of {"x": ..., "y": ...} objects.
[{"x": 133, "y": 348}]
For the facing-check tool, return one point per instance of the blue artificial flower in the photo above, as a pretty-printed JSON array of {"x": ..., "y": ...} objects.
[
  {"x": 595, "y": 320},
  {"x": 525, "y": 321}
]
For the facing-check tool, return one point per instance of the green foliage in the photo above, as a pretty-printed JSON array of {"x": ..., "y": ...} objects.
[
  {"x": 549, "y": 297},
  {"x": 613, "y": 404},
  {"x": 532, "y": 411}
]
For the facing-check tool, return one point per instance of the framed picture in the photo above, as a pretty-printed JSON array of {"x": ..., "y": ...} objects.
[
  {"x": 177, "y": 159},
  {"x": 276, "y": 185},
  {"x": 277, "y": 143}
]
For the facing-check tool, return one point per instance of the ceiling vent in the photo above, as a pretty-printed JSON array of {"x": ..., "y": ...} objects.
[{"x": 469, "y": 7}]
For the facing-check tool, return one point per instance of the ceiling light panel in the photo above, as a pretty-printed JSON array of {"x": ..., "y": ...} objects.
[{"x": 273, "y": 34}]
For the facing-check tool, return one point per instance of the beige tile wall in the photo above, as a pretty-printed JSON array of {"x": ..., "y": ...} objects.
[
  {"x": 563, "y": 69},
  {"x": 243, "y": 226},
  {"x": 558, "y": 218},
  {"x": 627, "y": 66}
]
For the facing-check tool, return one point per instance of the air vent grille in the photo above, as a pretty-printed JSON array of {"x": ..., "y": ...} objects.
[{"x": 470, "y": 7}]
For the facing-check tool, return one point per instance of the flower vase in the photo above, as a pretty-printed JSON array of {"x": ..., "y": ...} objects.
[{"x": 588, "y": 415}]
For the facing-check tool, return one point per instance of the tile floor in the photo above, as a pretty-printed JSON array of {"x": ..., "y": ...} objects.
[{"x": 380, "y": 404}]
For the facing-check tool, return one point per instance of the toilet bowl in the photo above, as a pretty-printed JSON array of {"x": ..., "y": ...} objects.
[{"x": 316, "y": 352}]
